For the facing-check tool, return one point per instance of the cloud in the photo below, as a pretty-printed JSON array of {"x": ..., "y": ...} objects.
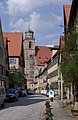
[
  {"x": 47, "y": 37},
  {"x": 41, "y": 24},
  {"x": 19, "y": 25},
  {"x": 16, "y": 7},
  {"x": 38, "y": 22},
  {"x": 1, "y": 7}
]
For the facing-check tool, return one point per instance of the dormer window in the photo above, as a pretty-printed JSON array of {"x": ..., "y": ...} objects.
[{"x": 30, "y": 44}]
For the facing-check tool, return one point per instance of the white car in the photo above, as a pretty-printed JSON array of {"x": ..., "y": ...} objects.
[{"x": 43, "y": 92}]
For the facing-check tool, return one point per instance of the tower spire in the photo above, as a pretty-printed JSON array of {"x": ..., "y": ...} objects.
[{"x": 28, "y": 27}]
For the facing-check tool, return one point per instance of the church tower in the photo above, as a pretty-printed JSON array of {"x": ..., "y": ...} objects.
[{"x": 29, "y": 57}]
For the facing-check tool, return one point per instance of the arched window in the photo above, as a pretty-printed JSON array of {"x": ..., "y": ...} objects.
[{"x": 30, "y": 44}]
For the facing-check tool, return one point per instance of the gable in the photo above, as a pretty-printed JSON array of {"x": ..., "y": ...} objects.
[{"x": 15, "y": 44}]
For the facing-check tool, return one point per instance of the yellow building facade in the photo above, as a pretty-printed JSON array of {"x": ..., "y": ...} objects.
[{"x": 52, "y": 71}]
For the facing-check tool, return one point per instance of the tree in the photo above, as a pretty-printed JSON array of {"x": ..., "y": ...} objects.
[
  {"x": 15, "y": 77},
  {"x": 69, "y": 63}
]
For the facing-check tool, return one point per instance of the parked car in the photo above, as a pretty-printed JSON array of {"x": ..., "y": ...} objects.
[
  {"x": 21, "y": 91},
  {"x": 43, "y": 92},
  {"x": 11, "y": 95},
  {"x": 24, "y": 91},
  {"x": 2, "y": 96},
  {"x": 30, "y": 92}
]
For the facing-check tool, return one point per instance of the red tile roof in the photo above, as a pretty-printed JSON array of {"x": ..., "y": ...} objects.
[
  {"x": 5, "y": 42},
  {"x": 43, "y": 54},
  {"x": 67, "y": 9},
  {"x": 15, "y": 44}
]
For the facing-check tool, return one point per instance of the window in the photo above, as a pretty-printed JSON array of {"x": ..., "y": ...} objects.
[
  {"x": 1, "y": 52},
  {"x": 2, "y": 70},
  {"x": 30, "y": 44},
  {"x": 12, "y": 61}
]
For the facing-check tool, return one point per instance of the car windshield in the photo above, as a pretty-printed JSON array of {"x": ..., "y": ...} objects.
[
  {"x": 30, "y": 89},
  {"x": 10, "y": 91},
  {"x": 19, "y": 88}
]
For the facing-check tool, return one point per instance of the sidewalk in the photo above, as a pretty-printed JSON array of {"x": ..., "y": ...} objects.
[{"x": 61, "y": 113}]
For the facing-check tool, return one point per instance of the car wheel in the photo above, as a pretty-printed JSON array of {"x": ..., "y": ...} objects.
[
  {"x": 17, "y": 99},
  {"x": 3, "y": 105}
]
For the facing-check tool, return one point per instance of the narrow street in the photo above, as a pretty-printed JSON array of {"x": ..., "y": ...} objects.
[
  {"x": 26, "y": 108},
  {"x": 32, "y": 107}
]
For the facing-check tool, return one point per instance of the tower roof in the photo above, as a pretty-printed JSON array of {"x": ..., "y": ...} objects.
[{"x": 29, "y": 30}]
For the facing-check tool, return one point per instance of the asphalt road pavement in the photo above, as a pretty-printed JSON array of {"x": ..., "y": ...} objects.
[{"x": 26, "y": 108}]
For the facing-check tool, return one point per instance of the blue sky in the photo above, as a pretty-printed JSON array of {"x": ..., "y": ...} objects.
[{"x": 43, "y": 16}]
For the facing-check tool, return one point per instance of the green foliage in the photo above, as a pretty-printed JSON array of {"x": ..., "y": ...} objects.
[
  {"x": 70, "y": 41},
  {"x": 69, "y": 63},
  {"x": 16, "y": 76}
]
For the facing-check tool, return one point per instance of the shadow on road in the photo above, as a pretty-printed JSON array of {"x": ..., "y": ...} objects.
[{"x": 25, "y": 101}]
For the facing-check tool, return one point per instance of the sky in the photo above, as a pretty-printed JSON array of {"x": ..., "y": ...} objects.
[{"x": 43, "y": 16}]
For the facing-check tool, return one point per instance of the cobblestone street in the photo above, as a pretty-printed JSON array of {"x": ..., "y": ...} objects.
[{"x": 60, "y": 113}]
